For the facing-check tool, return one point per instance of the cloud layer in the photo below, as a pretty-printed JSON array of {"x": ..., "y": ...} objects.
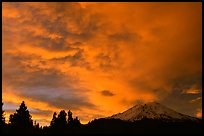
[{"x": 101, "y": 58}]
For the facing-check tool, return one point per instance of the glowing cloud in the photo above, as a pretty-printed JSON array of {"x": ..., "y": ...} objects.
[{"x": 98, "y": 59}]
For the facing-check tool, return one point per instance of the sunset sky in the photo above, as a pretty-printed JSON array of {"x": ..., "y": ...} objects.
[{"x": 98, "y": 59}]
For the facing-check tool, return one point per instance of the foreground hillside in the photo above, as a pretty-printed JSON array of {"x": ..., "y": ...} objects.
[{"x": 144, "y": 126}]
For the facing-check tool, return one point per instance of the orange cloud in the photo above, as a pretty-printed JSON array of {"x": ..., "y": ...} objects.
[
  {"x": 196, "y": 100},
  {"x": 192, "y": 91},
  {"x": 71, "y": 52},
  {"x": 199, "y": 113}
]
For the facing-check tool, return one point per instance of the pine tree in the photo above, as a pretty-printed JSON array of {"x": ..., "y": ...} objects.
[
  {"x": 21, "y": 118},
  {"x": 70, "y": 119},
  {"x": 62, "y": 119},
  {"x": 54, "y": 119}
]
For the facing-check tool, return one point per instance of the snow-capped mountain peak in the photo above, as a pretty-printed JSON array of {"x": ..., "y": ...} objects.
[{"x": 151, "y": 110}]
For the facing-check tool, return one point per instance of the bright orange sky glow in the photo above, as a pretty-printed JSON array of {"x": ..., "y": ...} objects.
[{"x": 98, "y": 59}]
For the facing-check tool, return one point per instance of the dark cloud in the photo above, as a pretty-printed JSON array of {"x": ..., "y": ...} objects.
[
  {"x": 50, "y": 44},
  {"x": 182, "y": 102},
  {"x": 33, "y": 112},
  {"x": 36, "y": 83},
  {"x": 107, "y": 93},
  {"x": 181, "y": 93},
  {"x": 66, "y": 101},
  {"x": 72, "y": 103},
  {"x": 51, "y": 23},
  {"x": 190, "y": 82},
  {"x": 124, "y": 36},
  {"x": 78, "y": 59},
  {"x": 11, "y": 108},
  {"x": 40, "y": 112},
  {"x": 104, "y": 61},
  {"x": 31, "y": 75}
]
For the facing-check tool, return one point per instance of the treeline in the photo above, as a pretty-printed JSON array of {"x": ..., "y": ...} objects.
[
  {"x": 21, "y": 122},
  {"x": 63, "y": 123},
  {"x": 143, "y": 126}
]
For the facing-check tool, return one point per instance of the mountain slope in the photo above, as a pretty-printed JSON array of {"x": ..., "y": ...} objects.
[{"x": 152, "y": 110}]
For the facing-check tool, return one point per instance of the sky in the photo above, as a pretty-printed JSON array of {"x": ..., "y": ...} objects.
[{"x": 98, "y": 59}]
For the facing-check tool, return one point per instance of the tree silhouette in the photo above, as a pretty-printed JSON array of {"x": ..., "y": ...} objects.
[
  {"x": 59, "y": 122},
  {"x": 21, "y": 118},
  {"x": 70, "y": 119},
  {"x": 73, "y": 123},
  {"x": 2, "y": 116},
  {"x": 76, "y": 122},
  {"x": 37, "y": 129},
  {"x": 54, "y": 120},
  {"x": 62, "y": 119}
]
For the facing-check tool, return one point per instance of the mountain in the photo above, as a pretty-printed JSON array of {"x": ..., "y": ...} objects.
[
  {"x": 152, "y": 110},
  {"x": 149, "y": 118}
]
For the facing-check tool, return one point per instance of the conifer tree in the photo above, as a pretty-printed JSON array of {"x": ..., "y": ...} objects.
[
  {"x": 62, "y": 119},
  {"x": 70, "y": 118},
  {"x": 21, "y": 118},
  {"x": 54, "y": 119}
]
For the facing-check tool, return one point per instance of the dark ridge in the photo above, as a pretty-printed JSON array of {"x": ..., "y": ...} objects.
[{"x": 63, "y": 123}]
